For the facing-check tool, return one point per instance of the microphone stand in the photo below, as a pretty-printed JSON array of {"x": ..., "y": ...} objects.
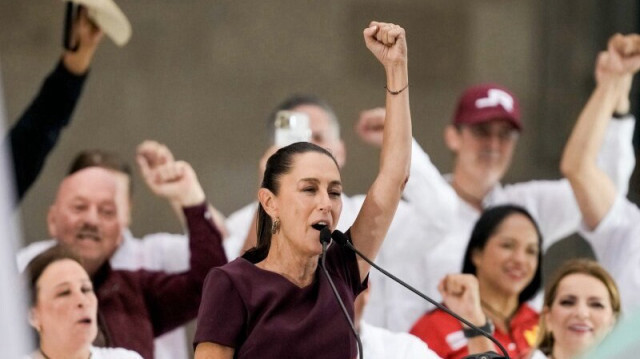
[
  {"x": 325, "y": 237},
  {"x": 342, "y": 239}
]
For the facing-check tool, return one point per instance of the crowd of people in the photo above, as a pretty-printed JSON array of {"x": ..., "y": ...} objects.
[{"x": 255, "y": 280}]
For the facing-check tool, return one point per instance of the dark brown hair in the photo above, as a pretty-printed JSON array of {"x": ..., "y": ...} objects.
[
  {"x": 103, "y": 159},
  {"x": 279, "y": 164},
  {"x": 41, "y": 262}
]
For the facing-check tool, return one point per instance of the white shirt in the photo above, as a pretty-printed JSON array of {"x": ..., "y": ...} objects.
[
  {"x": 158, "y": 251},
  {"x": 616, "y": 242},
  {"x": 101, "y": 353},
  {"x": 446, "y": 221},
  {"x": 379, "y": 343}
]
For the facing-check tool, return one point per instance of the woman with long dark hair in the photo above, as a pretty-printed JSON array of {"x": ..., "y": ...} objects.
[{"x": 504, "y": 254}]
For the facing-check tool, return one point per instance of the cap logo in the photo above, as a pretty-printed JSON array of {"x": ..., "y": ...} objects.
[{"x": 494, "y": 98}]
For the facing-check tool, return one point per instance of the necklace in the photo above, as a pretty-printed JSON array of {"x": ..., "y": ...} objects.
[
  {"x": 47, "y": 357},
  {"x": 496, "y": 313}
]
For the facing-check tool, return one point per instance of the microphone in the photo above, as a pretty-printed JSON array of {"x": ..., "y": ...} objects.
[
  {"x": 325, "y": 238},
  {"x": 343, "y": 240}
]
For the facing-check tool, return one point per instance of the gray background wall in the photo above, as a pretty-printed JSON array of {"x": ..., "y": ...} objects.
[{"x": 201, "y": 75}]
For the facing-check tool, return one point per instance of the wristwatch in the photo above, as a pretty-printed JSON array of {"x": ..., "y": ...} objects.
[{"x": 471, "y": 333}]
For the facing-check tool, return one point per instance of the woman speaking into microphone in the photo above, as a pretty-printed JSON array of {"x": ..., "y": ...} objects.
[{"x": 273, "y": 301}]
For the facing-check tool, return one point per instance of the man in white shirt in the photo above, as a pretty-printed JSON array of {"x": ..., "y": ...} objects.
[{"x": 482, "y": 136}]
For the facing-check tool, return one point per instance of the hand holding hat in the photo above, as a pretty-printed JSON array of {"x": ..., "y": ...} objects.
[{"x": 108, "y": 16}]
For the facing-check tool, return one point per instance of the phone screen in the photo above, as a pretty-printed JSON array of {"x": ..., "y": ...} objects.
[{"x": 291, "y": 127}]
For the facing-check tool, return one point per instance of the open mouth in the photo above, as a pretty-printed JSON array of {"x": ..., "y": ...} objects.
[
  {"x": 88, "y": 236},
  {"x": 515, "y": 274},
  {"x": 319, "y": 226},
  {"x": 580, "y": 328},
  {"x": 84, "y": 321}
]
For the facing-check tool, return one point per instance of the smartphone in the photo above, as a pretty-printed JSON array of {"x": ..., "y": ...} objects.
[
  {"x": 70, "y": 13},
  {"x": 291, "y": 127}
]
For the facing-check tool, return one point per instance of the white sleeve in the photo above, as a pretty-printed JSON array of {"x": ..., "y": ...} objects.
[
  {"x": 616, "y": 242},
  {"x": 415, "y": 348},
  {"x": 617, "y": 156},
  {"x": 431, "y": 196},
  {"x": 165, "y": 252},
  {"x": 238, "y": 225},
  {"x": 551, "y": 203},
  {"x": 26, "y": 254}
]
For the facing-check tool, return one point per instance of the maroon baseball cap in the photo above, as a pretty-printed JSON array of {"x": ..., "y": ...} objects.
[{"x": 486, "y": 102}]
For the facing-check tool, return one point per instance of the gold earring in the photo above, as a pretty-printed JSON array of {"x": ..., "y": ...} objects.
[{"x": 275, "y": 226}]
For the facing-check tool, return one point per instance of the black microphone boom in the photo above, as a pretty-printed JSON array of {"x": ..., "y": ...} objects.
[
  {"x": 325, "y": 238},
  {"x": 343, "y": 240}
]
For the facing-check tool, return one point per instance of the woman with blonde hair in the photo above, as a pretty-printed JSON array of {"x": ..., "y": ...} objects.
[{"x": 581, "y": 306}]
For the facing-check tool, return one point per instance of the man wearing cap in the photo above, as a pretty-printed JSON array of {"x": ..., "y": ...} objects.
[{"x": 483, "y": 135}]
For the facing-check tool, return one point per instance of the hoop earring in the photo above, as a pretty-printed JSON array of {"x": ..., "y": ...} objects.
[{"x": 275, "y": 226}]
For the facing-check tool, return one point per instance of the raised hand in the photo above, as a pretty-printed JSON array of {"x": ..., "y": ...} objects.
[
  {"x": 174, "y": 180},
  {"x": 154, "y": 153},
  {"x": 370, "y": 126},
  {"x": 626, "y": 45},
  {"x": 387, "y": 42},
  {"x": 87, "y": 36},
  {"x": 619, "y": 63},
  {"x": 461, "y": 294},
  {"x": 621, "y": 58}
]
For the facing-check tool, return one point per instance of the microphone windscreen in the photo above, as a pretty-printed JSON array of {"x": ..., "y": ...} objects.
[
  {"x": 340, "y": 237},
  {"x": 325, "y": 235}
]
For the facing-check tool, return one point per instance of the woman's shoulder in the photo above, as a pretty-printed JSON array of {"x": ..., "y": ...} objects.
[{"x": 113, "y": 353}]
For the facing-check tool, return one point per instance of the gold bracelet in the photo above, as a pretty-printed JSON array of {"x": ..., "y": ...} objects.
[{"x": 395, "y": 92}]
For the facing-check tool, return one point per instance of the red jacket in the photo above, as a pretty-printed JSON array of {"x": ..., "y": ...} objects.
[
  {"x": 443, "y": 334},
  {"x": 136, "y": 306}
]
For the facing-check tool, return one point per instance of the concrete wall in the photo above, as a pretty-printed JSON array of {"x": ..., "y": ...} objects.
[{"x": 201, "y": 76}]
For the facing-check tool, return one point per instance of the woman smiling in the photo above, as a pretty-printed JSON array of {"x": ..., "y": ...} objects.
[
  {"x": 581, "y": 306},
  {"x": 504, "y": 254}
]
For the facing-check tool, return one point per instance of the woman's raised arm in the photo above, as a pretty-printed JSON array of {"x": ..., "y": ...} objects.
[{"x": 388, "y": 44}]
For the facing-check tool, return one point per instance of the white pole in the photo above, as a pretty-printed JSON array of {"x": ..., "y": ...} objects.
[{"x": 14, "y": 337}]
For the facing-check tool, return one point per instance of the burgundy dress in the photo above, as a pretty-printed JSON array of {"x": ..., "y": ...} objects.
[{"x": 261, "y": 314}]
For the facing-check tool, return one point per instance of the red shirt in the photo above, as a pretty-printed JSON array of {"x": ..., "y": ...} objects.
[{"x": 443, "y": 334}]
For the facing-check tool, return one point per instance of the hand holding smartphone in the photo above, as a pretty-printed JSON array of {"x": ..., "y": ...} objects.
[{"x": 291, "y": 127}]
